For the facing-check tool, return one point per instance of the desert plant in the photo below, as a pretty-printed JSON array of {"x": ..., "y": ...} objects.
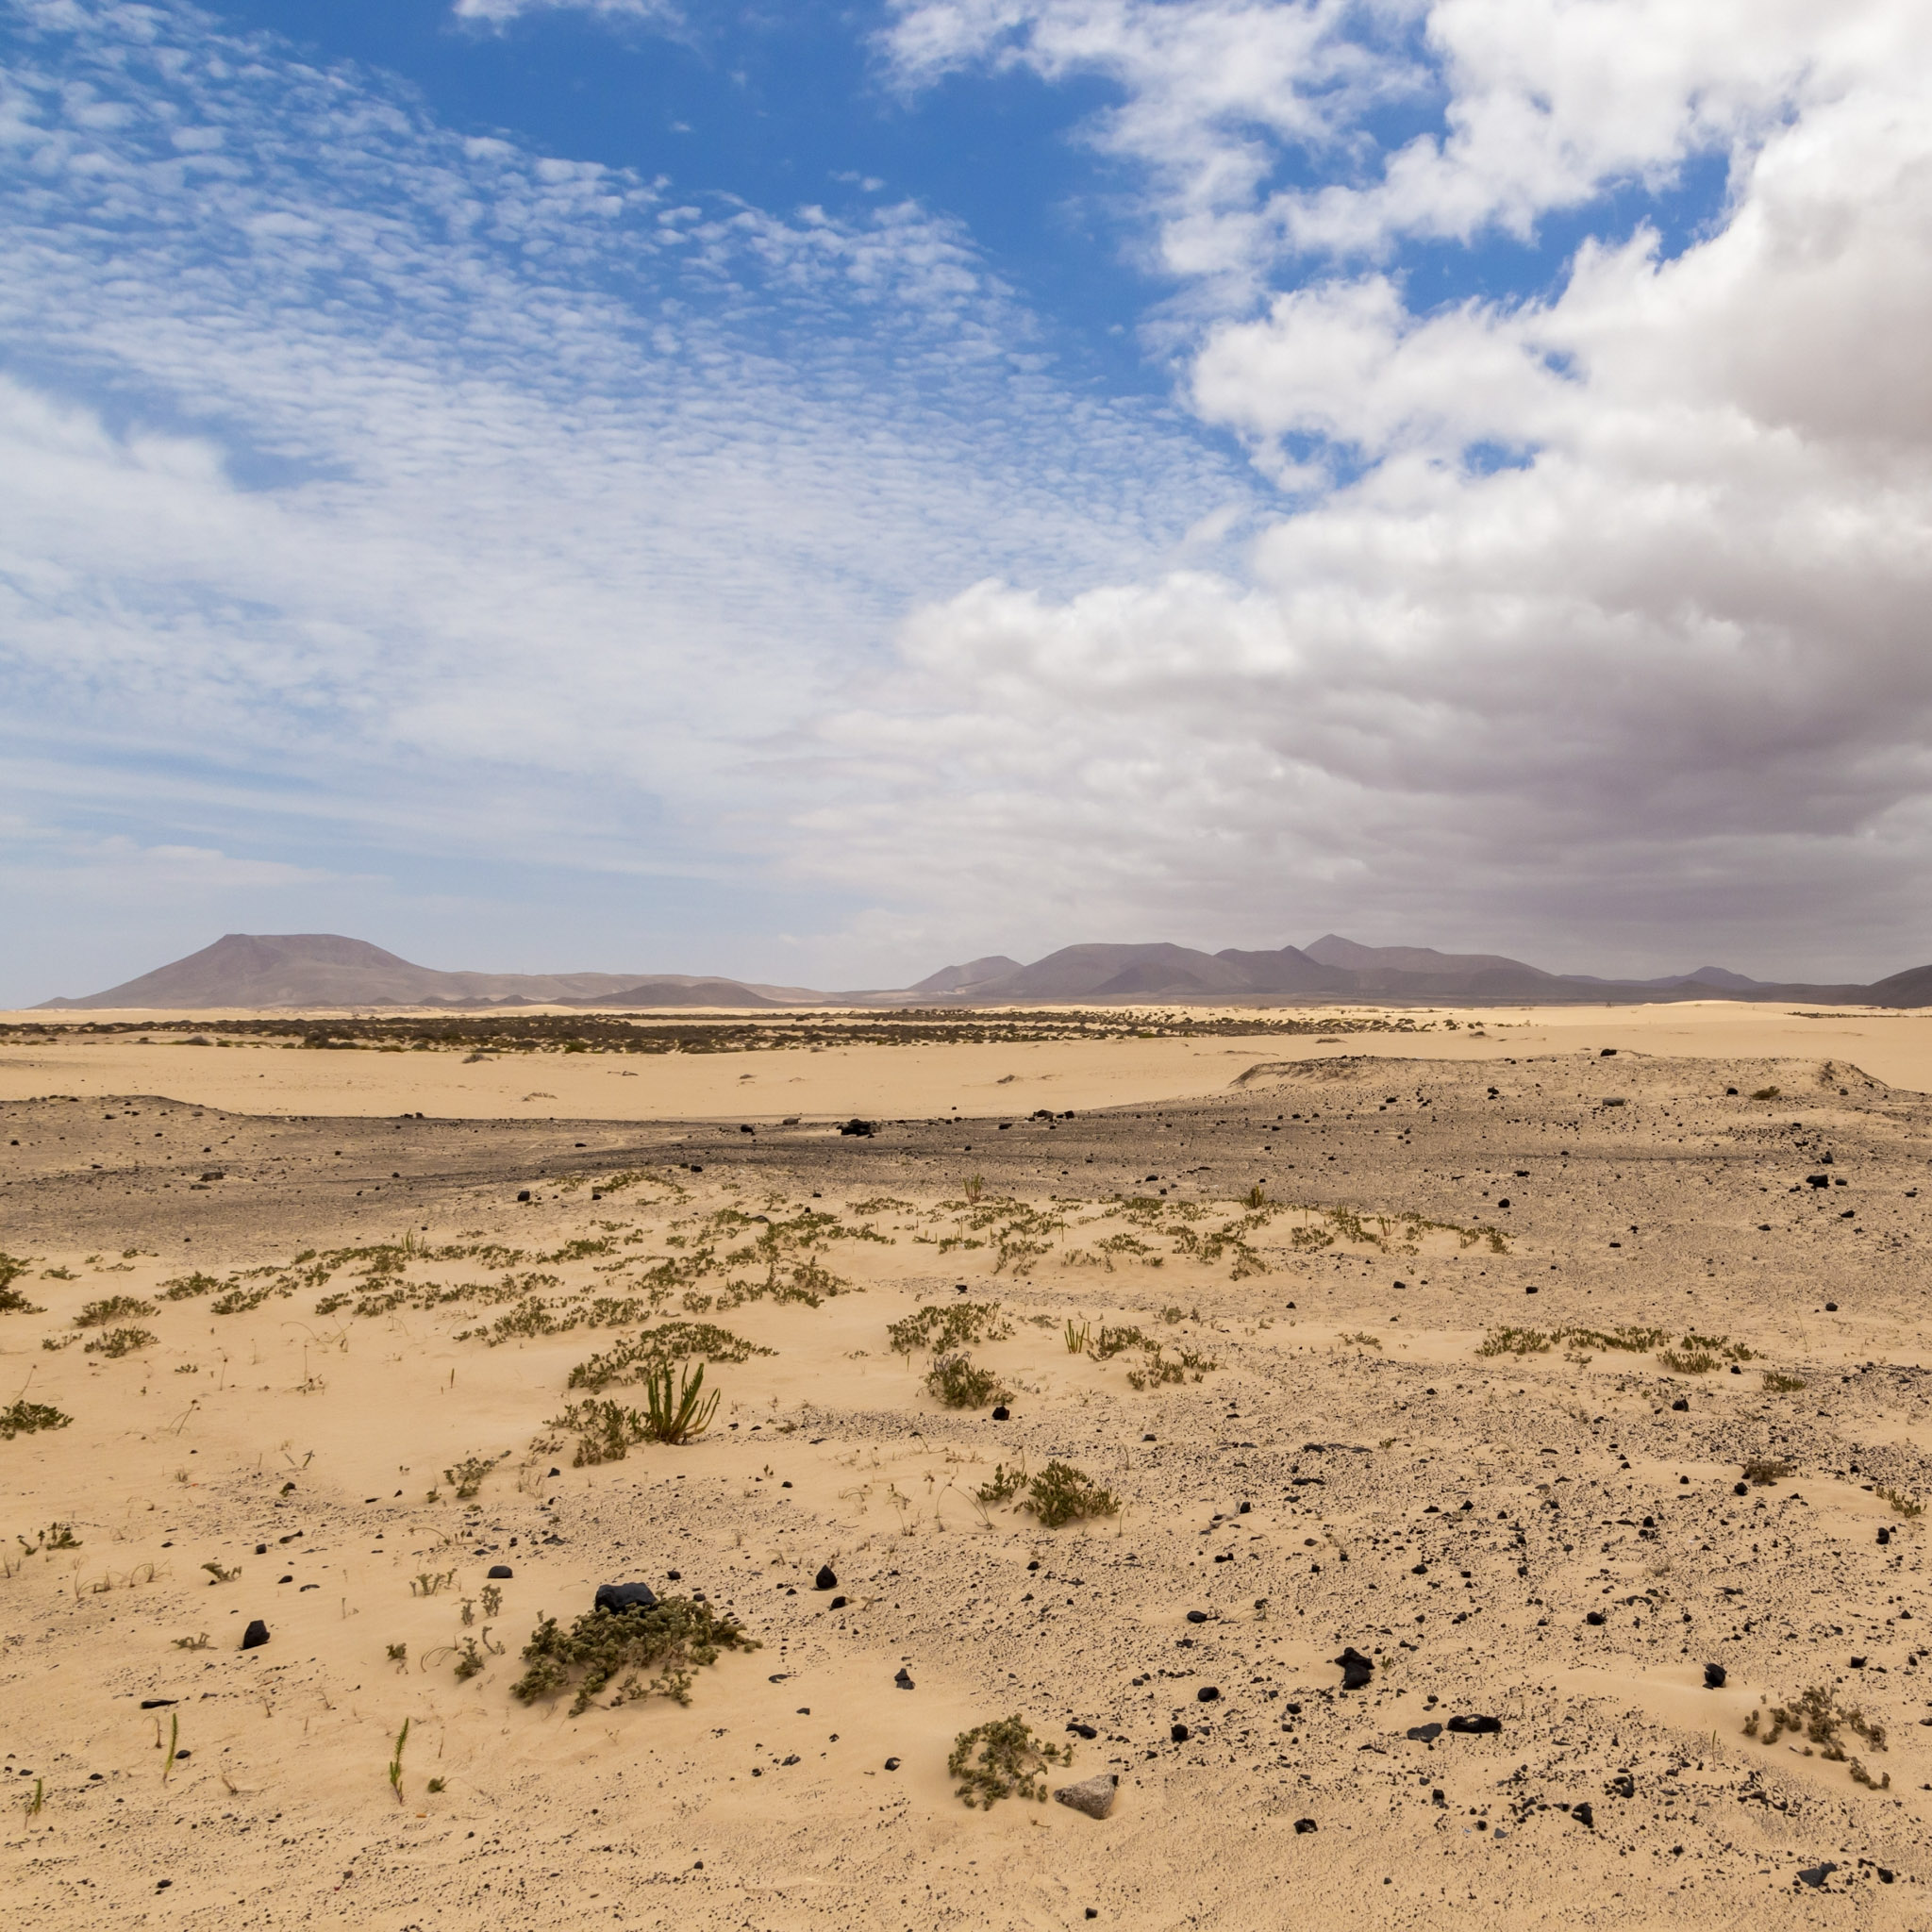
[
  {"x": 492, "y": 1599},
  {"x": 466, "y": 1478},
  {"x": 118, "y": 1342},
  {"x": 432, "y": 1582},
  {"x": 1363, "y": 1338},
  {"x": 1901, "y": 1505},
  {"x": 469, "y": 1660},
  {"x": 201, "y": 1640},
  {"x": 11, "y": 1301},
  {"x": 23, "y": 1418},
  {"x": 1002, "y": 1759},
  {"x": 38, "y": 1798},
  {"x": 220, "y": 1575},
  {"x": 949, "y": 1326},
  {"x": 1110, "y": 1341},
  {"x": 1765, "y": 1470},
  {"x": 398, "y": 1654},
  {"x": 680, "y": 1414},
  {"x": 1766, "y": 1094},
  {"x": 1006, "y": 1483},
  {"x": 436, "y": 1784},
  {"x": 173, "y": 1742},
  {"x": 671, "y": 1639},
  {"x": 1817, "y": 1716},
  {"x": 57, "y": 1536},
  {"x": 395, "y": 1762},
  {"x": 1062, "y": 1493},
  {"x": 1514, "y": 1341},
  {"x": 1078, "y": 1340},
  {"x": 116, "y": 1308},
  {"x": 1776, "y": 1382},
  {"x": 958, "y": 1384}
]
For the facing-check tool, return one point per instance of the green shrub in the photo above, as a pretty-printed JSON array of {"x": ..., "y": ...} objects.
[
  {"x": 1062, "y": 1493},
  {"x": 645, "y": 1354},
  {"x": 1514, "y": 1341},
  {"x": 118, "y": 1342},
  {"x": 116, "y": 1308},
  {"x": 672, "y": 1640},
  {"x": 959, "y": 1385},
  {"x": 23, "y": 1418},
  {"x": 950, "y": 1325},
  {"x": 1002, "y": 1759},
  {"x": 681, "y": 1414}
]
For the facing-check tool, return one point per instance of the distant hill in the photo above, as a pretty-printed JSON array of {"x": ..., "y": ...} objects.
[
  {"x": 254, "y": 969},
  {"x": 323, "y": 969},
  {"x": 1338, "y": 968}
]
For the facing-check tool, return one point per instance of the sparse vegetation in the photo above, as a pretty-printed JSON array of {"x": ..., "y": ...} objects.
[
  {"x": 1767, "y": 1093},
  {"x": 1004, "y": 1484},
  {"x": 23, "y": 1418},
  {"x": 1901, "y": 1504},
  {"x": 1514, "y": 1341},
  {"x": 395, "y": 1762},
  {"x": 644, "y": 1356},
  {"x": 1002, "y": 1759},
  {"x": 201, "y": 1640},
  {"x": 118, "y": 1342},
  {"x": 672, "y": 1641},
  {"x": 606, "y": 1431},
  {"x": 115, "y": 1308},
  {"x": 1818, "y": 1717},
  {"x": 949, "y": 1326},
  {"x": 466, "y": 1478},
  {"x": 959, "y": 1384},
  {"x": 11, "y": 1301},
  {"x": 1062, "y": 1493},
  {"x": 1766, "y": 1470},
  {"x": 1778, "y": 1382}
]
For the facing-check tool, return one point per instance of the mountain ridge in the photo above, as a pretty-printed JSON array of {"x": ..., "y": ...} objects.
[{"x": 296, "y": 970}]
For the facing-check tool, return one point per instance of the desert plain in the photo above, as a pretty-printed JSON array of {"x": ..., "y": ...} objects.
[{"x": 1560, "y": 1368}]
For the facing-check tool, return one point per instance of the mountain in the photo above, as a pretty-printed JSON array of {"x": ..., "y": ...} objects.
[
  {"x": 974, "y": 972},
  {"x": 323, "y": 969}
]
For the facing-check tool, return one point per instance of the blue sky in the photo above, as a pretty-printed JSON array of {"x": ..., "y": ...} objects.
[{"x": 815, "y": 493}]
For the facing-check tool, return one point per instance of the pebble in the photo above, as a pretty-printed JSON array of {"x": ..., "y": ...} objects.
[
  {"x": 499, "y": 1573},
  {"x": 1356, "y": 1670},
  {"x": 1714, "y": 1675},
  {"x": 255, "y": 1635},
  {"x": 1305, "y": 1824},
  {"x": 904, "y": 1679},
  {"x": 1476, "y": 1727},
  {"x": 825, "y": 1580}
]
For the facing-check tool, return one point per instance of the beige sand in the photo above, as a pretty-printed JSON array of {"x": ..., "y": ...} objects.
[
  {"x": 1305, "y": 1493},
  {"x": 903, "y": 1080}
]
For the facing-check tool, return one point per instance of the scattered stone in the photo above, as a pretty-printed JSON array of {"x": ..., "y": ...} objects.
[
  {"x": 1815, "y": 1875},
  {"x": 1080, "y": 1731},
  {"x": 1584, "y": 1815},
  {"x": 825, "y": 1580},
  {"x": 891, "y": 1764},
  {"x": 1714, "y": 1675},
  {"x": 1356, "y": 1670},
  {"x": 904, "y": 1679},
  {"x": 1197, "y": 1616},
  {"x": 1425, "y": 1734},
  {"x": 1624, "y": 1785},
  {"x": 1740, "y": 1489},
  {"x": 862, "y": 1130},
  {"x": 1476, "y": 1727},
  {"x": 1302, "y": 1824},
  {"x": 1596, "y": 1619},
  {"x": 1208, "y": 1693},
  {"x": 522, "y": 1193},
  {"x": 1177, "y": 1734},
  {"x": 619, "y": 1597},
  {"x": 255, "y": 1635},
  {"x": 1884, "y": 1537},
  {"x": 1681, "y": 1406},
  {"x": 500, "y": 1572},
  {"x": 158, "y": 1703},
  {"x": 838, "y": 1603},
  {"x": 1002, "y": 1414},
  {"x": 1094, "y": 1796}
]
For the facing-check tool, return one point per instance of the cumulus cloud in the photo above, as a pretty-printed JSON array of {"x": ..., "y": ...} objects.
[
  {"x": 1598, "y": 612},
  {"x": 500, "y": 13}
]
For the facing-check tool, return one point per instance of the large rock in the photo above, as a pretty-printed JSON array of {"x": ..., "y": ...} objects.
[
  {"x": 619, "y": 1597},
  {"x": 1092, "y": 1795},
  {"x": 825, "y": 1579},
  {"x": 255, "y": 1635}
]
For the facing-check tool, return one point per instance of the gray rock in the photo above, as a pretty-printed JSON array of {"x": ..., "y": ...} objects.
[
  {"x": 499, "y": 1573},
  {"x": 620, "y": 1597},
  {"x": 1092, "y": 1795}
]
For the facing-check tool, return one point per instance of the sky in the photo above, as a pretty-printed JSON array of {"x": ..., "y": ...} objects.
[{"x": 817, "y": 493}]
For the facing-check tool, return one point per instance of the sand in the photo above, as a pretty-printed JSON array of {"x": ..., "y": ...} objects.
[{"x": 1336, "y": 1465}]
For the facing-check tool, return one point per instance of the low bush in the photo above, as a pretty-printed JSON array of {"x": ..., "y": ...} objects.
[{"x": 671, "y": 1641}]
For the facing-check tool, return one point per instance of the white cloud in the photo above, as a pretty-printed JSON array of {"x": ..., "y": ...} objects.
[
  {"x": 1661, "y": 670},
  {"x": 499, "y": 13}
]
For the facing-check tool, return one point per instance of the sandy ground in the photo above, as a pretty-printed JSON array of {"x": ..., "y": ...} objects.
[
  {"x": 333, "y": 1305},
  {"x": 258, "y": 1078}
]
